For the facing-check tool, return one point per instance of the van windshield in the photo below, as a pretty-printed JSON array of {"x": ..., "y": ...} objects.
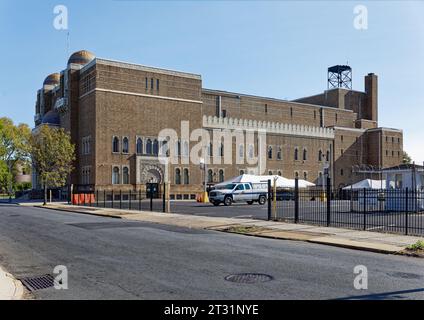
[{"x": 229, "y": 186}]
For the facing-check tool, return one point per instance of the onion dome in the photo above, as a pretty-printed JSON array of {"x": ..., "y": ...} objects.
[
  {"x": 81, "y": 57},
  {"x": 52, "y": 80},
  {"x": 51, "y": 117}
]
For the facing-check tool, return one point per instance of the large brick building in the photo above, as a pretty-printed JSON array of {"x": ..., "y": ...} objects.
[{"x": 114, "y": 112}]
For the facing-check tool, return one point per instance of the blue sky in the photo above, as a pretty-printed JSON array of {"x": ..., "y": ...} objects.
[{"x": 279, "y": 49}]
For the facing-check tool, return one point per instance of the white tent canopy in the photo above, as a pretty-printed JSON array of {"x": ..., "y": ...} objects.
[
  {"x": 281, "y": 182},
  {"x": 368, "y": 184}
]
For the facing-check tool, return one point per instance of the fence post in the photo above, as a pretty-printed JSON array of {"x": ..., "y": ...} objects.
[
  {"x": 69, "y": 194},
  {"x": 139, "y": 199},
  {"x": 151, "y": 199},
  {"x": 406, "y": 212},
  {"x": 328, "y": 201},
  {"x": 296, "y": 200},
  {"x": 164, "y": 198},
  {"x": 97, "y": 198},
  {"x": 120, "y": 199},
  {"x": 365, "y": 209},
  {"x": 269, "y": 200},
  {"x": 129, "y": 205}
]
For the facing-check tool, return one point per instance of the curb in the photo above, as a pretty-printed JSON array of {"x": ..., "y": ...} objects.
[
  {"x": 356, "y": 245},
  {"x": 273, "y": 234},
  {"x": 79, "y": 212}
]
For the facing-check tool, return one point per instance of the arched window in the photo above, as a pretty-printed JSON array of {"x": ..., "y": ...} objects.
[
  {"x": 115, "y": 144},
  {"x": 269, "y": 152},
  {"x": 139, "y": 146},
  {"x": 164, "y": 148},
  {"x": 270, "y": 172},
  {"x": 305, "y": 175},
  {"x": 210, "y": 175},
  {"x": 221, "y": 150},
  {"x": 185, "y": 149},
  {"x": 251, "y": 151},
  {"x": 327, "y": 156},
  {"x": 279, "y": 154},
  {"x": 178, "y": 147},
  {"x": 125, "y": 145},
  {"x": 210, "y": 150},
  {"x": 115, "y": 175},
  {"x": 149, "y": 147},
  {"x": 177, "y": 176},
  {"x": 125, "y": 175},
  {"x": 241, "y": 172},
  {"x": 186, "y": 177},
  {"x": 155, "y": 147},
  {"x": 320, "y": 155},
  {"x": 296, "y": 154},
  {"x": 305, "y": 154},
  {"x": 279, "y": 173},
  {"x": 296, "y": 174},
  {"x": 241, "y": 151},
  {"x": 221, "y": 175}
]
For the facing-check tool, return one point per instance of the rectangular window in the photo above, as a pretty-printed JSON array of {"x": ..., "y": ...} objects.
[
  {"x": 157, "y": 84},
  {"x": 151, "y": 83},
  {"x": 147, "y": 83}
]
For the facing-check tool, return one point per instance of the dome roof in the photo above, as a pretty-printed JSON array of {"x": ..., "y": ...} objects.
[
  {"x": 52, "y": 79},
  {"x": 51, "y": 117},
  {"x": 81, "y": 57}
]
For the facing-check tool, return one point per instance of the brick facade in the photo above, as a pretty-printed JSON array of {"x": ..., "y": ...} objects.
[{"x": 100, "y": 101}]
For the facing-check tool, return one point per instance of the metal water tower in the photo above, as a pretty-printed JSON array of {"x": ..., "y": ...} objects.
[{"x": 340, "y": 77}]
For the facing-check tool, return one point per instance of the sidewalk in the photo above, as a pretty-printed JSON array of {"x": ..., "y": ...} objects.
[
  {"x": 353, "y": 239},
  {"x": 10, "y": 288}
]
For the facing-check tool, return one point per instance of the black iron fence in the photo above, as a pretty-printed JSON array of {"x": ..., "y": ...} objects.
[
  {"x": 396, "y": 211},
  {"x": 148, "y": 200}
]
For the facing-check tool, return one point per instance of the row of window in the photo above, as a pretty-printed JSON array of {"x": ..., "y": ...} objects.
[
  {"x": 393, "y": 153},
  {"x": 120, "y": 175},
  {"x": 185, "y": 176},
  {"x": 152, "y": 82},
  {"x": 150, "y": 146},
  {"x": 86, "y": 145},
  {"x": 85, "y": 175},
  {"x": 393, "y": 139}
]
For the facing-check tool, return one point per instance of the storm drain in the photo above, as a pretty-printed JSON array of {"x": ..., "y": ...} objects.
[
  {"x": 38, "y": 283},
  {"x": 249, "y": 278}
]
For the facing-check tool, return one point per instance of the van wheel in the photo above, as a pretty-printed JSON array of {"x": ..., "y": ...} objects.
[
  {"x": 249, "y": 202},
  {"x": 262, "y": 200},
  {"x": 228, "y": 201}
]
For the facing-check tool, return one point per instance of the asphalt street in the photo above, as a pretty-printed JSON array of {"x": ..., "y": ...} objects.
[{"x": 111, "y": 258}]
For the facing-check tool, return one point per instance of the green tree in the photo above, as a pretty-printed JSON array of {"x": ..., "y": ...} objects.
[
  {"x": 406, "y": 158},
  {"x": 5, "y": 176},
  {"x": 14, "y": 147},
  {"x": 52, "y": 155}
]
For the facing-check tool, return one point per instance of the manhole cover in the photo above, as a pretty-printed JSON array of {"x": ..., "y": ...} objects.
[
  {"x": 38, "y": 283},
  {"x": 248, "y": 277}
]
